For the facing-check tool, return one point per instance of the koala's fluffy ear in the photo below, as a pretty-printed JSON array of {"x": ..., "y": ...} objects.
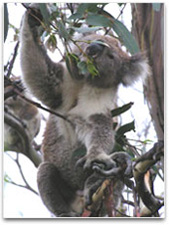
[{"x": 133, "y": 68}]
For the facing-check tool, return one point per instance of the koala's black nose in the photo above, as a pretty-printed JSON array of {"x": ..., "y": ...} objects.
[{"x": 94, "y": 49}]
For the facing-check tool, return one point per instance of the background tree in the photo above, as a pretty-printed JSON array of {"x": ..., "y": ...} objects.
[
  {"x": 148, "y": 28},
  {"x": 61, "y": 23}
]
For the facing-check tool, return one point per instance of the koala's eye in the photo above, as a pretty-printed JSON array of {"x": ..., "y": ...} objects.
[{"x": 94, "y": 49}]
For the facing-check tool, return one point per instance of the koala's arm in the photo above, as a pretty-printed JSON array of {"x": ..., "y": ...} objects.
[{"x": 42, "y": 76}]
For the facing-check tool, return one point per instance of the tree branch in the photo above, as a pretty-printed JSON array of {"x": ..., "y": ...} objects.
[
  {"x": 17, "y": 90},
  {"x": 26, "y": 186},
  {"x": 11, "y": 63},
  {"x": 141, "y": 166},
  {"x": 22, "y": 133}
]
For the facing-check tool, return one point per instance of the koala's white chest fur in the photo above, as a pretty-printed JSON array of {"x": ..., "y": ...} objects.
[
  {"x": 82, "y": 101},
  {"x": 93, "y": 101}
]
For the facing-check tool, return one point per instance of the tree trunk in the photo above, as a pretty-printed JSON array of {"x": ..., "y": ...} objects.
[{"x": 148, "y": 28}]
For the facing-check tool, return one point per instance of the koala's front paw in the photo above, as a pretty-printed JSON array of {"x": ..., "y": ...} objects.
[
  {"x": 102, "y": 160},
  {"x": 123, "y": 166}
]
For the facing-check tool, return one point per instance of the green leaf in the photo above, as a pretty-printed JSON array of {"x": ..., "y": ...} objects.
[
  {"x": 76, "y": 16},
  {"x": 7, "y": 179},
  {"x": 51, "y": 43},
  {"x": 87, "y": 7},
  {"x": 92, "y": 69},
  {"x": 124, "y": 129},
  {"x": 122, "y": 109},
  {"x": 147, "y": 141},
  {"x": 45, "y": 13},
  {"x": 84, "y": 7},
  {"x": 82, "y": 67},
  {"x": 125, "y": 36},
  {"x": 71, "y": 59},
  {"x": 62, "y": 30},
  {"x": 68, "y": 62},
  {"x": 85, "y": 29},
  {"x": 117, "y": 147},
  {"x": 6, "y": 21},
  {"x": 98, "y": 20},
  {"x": 156, "y": 6}
]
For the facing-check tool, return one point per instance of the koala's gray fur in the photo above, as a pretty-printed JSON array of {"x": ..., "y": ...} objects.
[
  {"x": 25, "y": 112},
  {"x": 87, "y": 101}
]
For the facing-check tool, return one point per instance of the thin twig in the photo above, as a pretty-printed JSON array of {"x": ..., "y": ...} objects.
[
  {"x": 26, "y": 186},
  {"x": 11, "y": 63},
  {"x": 42, "y": 107},
  {"x": 17, "y": 91},
  {"x": 121, "y": 11},
  {"x": 23, "y": 177},
  {"x": 27, "y": 149}
]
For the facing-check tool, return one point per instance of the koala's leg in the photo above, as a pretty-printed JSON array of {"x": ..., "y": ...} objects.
[
  {"x": 97, "y": 135},
  {"x": 56, "y": 194}
]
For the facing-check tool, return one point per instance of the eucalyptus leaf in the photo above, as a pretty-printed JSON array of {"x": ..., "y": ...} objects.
[
  {"x": 84, "y": 7},
  {"x": 87, "y": 7},
  {"x": 67, "y": 60},
  {"x": 62, "y": 30},
  {"x": 122, "y": 109},
  {"x": 86, "y": 29},
  {"x": 76, "y": 16},
  {"x": 126, "y": 37},
  {"x": 124, "y": 129},
  {"x": 71, "y": 60},
  {"x": 98, "y": 20},
  {"x": 82, "y": 67},
  {"x": 7, "y": 179},
  {"x": 92, "y": 69},
  {"x": 45, "y": 13},
  {"x": 51, "y": 43},
  {"x": 6, "y": 21}
]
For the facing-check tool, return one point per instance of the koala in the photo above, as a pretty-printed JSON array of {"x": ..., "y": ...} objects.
[
  {"x": 67, "y": 179},
  {"x": 24, "y": 112}
]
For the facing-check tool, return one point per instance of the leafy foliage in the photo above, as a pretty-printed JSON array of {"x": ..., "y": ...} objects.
[{"x": 94, "y": 17}]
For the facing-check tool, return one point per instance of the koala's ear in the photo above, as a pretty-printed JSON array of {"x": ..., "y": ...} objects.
[{"x": 133, "y": 68}]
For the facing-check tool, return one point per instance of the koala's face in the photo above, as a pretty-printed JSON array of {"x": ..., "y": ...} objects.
[{"x": 112, "y": 63}]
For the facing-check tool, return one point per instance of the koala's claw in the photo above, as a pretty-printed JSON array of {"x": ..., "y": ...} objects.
[
  {"x": 123, "y": 161},
  {"x": 102, "y": 161},
  {"x": 80, "y": 162},
  {"x": 108, "y": 173},
  {"x": 122, "y": 165}
]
